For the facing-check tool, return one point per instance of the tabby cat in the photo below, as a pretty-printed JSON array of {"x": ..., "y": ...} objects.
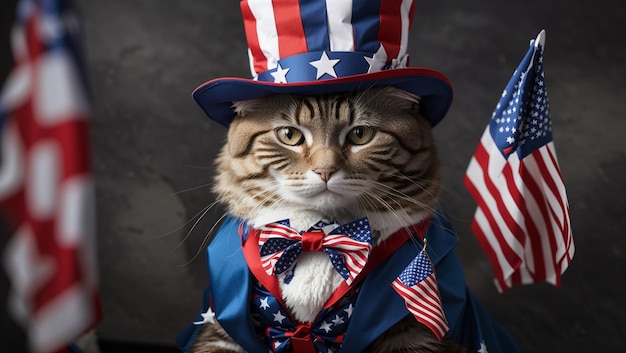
[{"x": 336, "y": 157}]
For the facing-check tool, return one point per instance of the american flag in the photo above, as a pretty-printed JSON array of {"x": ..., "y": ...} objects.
[
  {"x": 348, "y": 246},
  {"x": 46, "y": 185},
  {"x": 522, "y": 221},
  {"x": 417, "y": 285}
]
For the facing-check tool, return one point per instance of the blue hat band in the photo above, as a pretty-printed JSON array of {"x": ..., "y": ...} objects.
[{"x": 322, "y": 65}]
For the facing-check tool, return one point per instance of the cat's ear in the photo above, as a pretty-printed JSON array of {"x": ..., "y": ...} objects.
[
  {"x": 390, "y": 100},
  {"x": 241, "y": 134},
  {"x": 247, "y": 106},
  {"x": 411, "y": 100},
  {"x": 245, "y": 127}
]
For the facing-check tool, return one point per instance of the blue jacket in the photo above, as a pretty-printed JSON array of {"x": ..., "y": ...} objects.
[{"x": 378, "y": 307}]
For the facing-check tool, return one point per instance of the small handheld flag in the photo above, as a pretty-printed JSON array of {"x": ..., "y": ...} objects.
[
  {"x": 417, "y": 285},
  {"x": 522, "y": 221}
]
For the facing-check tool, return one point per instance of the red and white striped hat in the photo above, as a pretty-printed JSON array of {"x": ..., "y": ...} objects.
[{"x": 326, "y": 46}]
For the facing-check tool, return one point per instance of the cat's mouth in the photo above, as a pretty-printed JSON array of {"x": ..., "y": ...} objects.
[
  {"x": 314, "y": 192},
  {"x": 328, "y": 200},
  {"x": 327, "y": 196}
]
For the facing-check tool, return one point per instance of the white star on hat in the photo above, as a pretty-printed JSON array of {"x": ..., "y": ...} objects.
[
  {"x": 325, "y": 66},
  {"x": 377, "y": 61},
  {"x": 280, "y": 74}
]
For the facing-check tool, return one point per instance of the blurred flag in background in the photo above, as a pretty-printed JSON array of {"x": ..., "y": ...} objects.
[
  {"x": 46, "y": 186},
  {"x": 522, "y": 221}
]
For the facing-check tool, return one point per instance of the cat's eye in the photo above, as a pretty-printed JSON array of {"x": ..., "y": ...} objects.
[
  {"x": 290, "y": 136},
  {"x": 361, "y": 135}
]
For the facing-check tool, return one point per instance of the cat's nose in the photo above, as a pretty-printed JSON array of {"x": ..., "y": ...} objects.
[{"x": 325, "y": 173}]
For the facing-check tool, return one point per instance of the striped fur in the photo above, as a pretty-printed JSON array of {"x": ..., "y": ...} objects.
[{"x": 393, "y": 179}]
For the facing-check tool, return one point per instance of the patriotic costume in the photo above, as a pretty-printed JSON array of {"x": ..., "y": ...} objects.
[{"x": 359, "y": 316}]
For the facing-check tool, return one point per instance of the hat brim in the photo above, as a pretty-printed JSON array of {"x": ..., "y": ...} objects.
[{"x": 216, "y": 97}]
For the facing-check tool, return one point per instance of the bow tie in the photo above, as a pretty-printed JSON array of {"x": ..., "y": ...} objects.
[{"x": 348, "y": 246}]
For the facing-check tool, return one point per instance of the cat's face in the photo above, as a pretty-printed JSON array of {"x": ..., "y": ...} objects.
[{"x": 345, "y": 155}]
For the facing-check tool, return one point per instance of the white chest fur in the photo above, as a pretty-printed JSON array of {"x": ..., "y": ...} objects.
[{"x": 314, "y": 281}]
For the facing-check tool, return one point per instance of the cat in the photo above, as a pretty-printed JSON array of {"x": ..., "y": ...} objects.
[{"x": 333, "y": 157}]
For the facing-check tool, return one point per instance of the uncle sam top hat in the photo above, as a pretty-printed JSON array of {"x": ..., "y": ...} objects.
[{"x": 312, "y": 47}]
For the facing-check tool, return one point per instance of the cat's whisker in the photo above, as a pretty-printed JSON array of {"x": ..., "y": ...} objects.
[
  {"x": 392, "y": 210},
  {"x": 431, "y": 209},
  {"x": 189, "y": 221},
  {"x": 202, "y": 214},
  {"x": 417, "y": 181},
  {"x": 370, "y": 205},
  {"x": 200, "y": 167},
  {"x": 205, "y": 241},
  {"x": 393, "y": 192},
  {"x": 262, "y": 203},
  {"x": 385, "y": 204},
  {"x": 199, "y": 217},
  {"x": 367, "y": 94},
  {"x": 393, "y": 213},
  {"x": 192, "y": 189}
]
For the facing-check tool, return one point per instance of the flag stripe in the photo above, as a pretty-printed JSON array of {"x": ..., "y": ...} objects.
[
  {"x": 365, "y": 25},
  {"x": 289, "y": 29},
  {"x": 539, "y": 213},
  {"x": 340, "y": 25},
  {"x": 264, "y": 44},
  {"x": 390, "y": 27},
  {"x": 257, "y": 58},
  {"x": 482, "y": 230},
  {"x": 557, "y": 201},
  {"x": 490, "y": 201},
  {"x": 428, "y": 297},
  {"x": 549, "y": 189},
  {"x": 424, "y": 303},
  {"x": 406, "y": 14},
  {"x": 418, "y": 304},
  {"x": 515, "y": 187},
  {"x": 72, "y": 307},
  {"x": 315, "y": 23}
]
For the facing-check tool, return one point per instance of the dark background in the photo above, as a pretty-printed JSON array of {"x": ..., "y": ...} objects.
[{"x": 153, "y": 151}]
